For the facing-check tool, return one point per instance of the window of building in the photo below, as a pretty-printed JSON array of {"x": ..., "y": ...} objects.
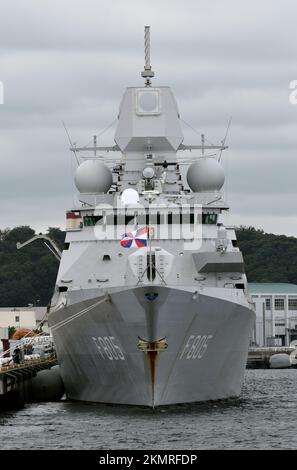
[
  {"x": 268, "y": 304},
  {"x": 279, "y": 304},
  {"x": 17, "y": 318},
  {"x": 292, "y": 304}
]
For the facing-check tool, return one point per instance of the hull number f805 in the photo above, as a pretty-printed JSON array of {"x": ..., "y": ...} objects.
[
  {"x": 195, "y": 347},
  {"x": 108, "y": 348}
]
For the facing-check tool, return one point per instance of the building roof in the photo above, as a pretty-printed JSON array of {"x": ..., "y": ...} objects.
[{"x": 272, "y": 288}]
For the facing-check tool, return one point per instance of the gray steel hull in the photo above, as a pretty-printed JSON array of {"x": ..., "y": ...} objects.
[{"x": 97, "y": 345}]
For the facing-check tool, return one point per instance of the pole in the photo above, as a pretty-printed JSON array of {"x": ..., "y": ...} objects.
[
  {"x": 264, "y": 324},
  {"x": 287, "y": 340},
  {"x": 272, "y": 317},
  {"x": 147, "y": 51},
  {"x": 150, "y": 254}
]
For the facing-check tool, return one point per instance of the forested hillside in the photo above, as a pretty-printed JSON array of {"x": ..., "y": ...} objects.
[
  {"x": 27, "y": 276},
  {"x": 268, "y": 257}
]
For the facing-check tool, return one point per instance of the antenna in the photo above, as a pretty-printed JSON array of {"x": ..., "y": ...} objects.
[
  {"x": 147, "y": 74},
  {"x": 95, "y": 144},
  {"x": 202, "y": 144},
  {"x": 70, "y": 141},
  {"x": 224, "y": 139}
]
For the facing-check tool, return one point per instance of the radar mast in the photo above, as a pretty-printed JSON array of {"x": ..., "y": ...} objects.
[{"x": 147, "y": 74}]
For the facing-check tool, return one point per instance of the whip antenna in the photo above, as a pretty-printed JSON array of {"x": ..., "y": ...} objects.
[
  {"x": 225, "y": 138},
  {"x": 70, "y": 141}
]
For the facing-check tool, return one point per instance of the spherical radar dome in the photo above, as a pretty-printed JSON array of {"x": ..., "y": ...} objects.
[
  {"x": 205, "y": 175},
  {"x": 93, "y": 177},
  {"x": 148, "y": 172},
  {"x": 130, "y": 197}
]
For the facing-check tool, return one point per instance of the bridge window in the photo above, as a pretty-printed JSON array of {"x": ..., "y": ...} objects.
[
  {"x": 129, "y": 218},
  {"x": 91, "y": 220},
  {"x": 267, "y": 304},
  {"x": 187, "y": 218},
  {"x": 209, "y": 218}
]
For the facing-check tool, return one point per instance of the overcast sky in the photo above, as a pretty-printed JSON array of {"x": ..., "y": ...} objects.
[{"x": 71, "y": 61}]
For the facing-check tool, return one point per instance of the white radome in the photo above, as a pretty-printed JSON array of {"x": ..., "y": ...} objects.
[
  {"x": 130, "y": 197},
  {"x": 205, "y": 175},
  {"x": 148, "y": 172},
  {"x": 93, "y": 177}
]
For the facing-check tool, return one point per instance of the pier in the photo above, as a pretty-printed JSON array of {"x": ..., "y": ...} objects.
[
  {"x": 258, "y": 358},
  {"x": 15, "y": 380}
]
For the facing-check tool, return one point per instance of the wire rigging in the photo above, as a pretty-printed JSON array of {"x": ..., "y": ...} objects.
[
  {"x": 103, "y": 131},
  {"x": 70, "y": 141},
  {"x": 195, "y": 130}
]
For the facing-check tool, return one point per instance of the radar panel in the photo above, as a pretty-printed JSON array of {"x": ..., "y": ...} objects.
[{"x": 148, "y": 102}]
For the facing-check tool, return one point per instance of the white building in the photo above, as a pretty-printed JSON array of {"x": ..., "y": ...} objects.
[
  {"x": 276, "y": 313},
  {"x": 22, "y": 317}
]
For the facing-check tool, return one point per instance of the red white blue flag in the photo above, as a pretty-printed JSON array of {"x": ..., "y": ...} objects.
[{"x": 136, "y": 239}]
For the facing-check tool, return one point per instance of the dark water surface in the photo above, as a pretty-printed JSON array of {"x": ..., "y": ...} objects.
[{"x": 263, "y": 417}]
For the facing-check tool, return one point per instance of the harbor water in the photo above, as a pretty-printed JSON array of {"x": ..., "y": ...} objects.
[{"x": 263, "y": 417}]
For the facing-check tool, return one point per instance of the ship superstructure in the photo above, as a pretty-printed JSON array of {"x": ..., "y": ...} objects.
[{"x": 151, "y": 304}]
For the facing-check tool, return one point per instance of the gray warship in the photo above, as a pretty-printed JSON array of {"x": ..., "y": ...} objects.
[{"x": 151, "y": 304}]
